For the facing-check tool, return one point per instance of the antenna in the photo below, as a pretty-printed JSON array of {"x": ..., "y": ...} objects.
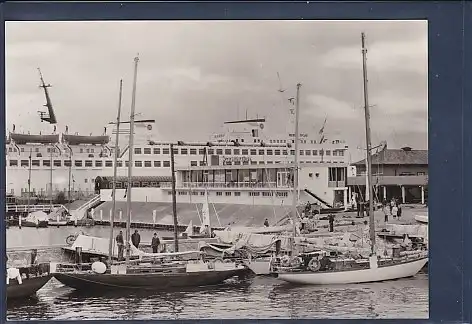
[{"x": 48, "y": 116}]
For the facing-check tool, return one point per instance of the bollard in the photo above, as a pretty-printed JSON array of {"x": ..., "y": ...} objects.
[
  {"x": 101, "y": 214},
  {"x": 154, "y": 216},
  {"x": 78, "y": 254}
]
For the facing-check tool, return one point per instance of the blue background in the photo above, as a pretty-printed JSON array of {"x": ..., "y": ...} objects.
[{"x": 450, "y": 110}]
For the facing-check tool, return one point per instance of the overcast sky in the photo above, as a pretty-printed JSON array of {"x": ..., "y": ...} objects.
[{"x": 195, "y": 75}]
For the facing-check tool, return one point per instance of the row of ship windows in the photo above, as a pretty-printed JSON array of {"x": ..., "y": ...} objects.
[
  {"x": 138, "y": 164},
  {"x": 236, "y": 193},
  {"x": 185, "y": 151}
]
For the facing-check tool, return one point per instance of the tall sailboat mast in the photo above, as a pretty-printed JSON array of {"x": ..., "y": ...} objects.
[
  {"x": 29, "y": 182},
  {"x": 50, "y": 179},
  {"x": 174, "y": 202},
  {"x": 369, "y": 146},
  {"x": 295, "y": 164},
  {"x": 130, "y": 165},
  {"x": 112, "y": 220}
]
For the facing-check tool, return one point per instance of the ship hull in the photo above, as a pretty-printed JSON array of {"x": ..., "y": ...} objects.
[
  {"x": 28, "y": 288},
  {"x": 146, "y": 281},
  {"x": 41, "y": 224},
  {"x": 392, "y": 272}
]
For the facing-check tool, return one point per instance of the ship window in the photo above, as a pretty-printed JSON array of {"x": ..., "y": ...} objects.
[
  {"x": 328, "y": 152},
  {"x": 308, "y": 152},
  {"x": 98, "y": 164},
  {"x": 166, "y": 164},
  {"x": 277, "y": 152},
  {"x": 236, "y": 151},
  {"x": 165, "y": 151},
  {"x": 227, "y": 151},
  {"x": 193, "y": 163},
  {"x": 228, "y": 193},
  {"x": 211, "y": 151},
  {"x": 237, "y": 194},
  {"x": 137, "y": 150},
  {"x": 88, "y": 163},
  {"x": 147, "y": 164},
  {"x": 108, "y": 164},
  {"x": 138, "y": 164},
  {"x": 219, "y": 151},
  {"x": 261, "y": 152},
  {"x": 157, "y": 164},
  {"x": 119, "y": 164},
  {"x": 57, "y": 163},
  {"x": 315, "y": 152},
  {"x": 253, "y": 152},
  {"x": 201, "y": 151},
  {"x": 244, "y": 151},
  {"x": 184, "y": 151},
  {"x": 13, "y": 162},
  {"x": 147, "y": 150},
  {"x": 47, "y": 163},
  {"x": 77, "y": 163},
  {"x": 269, "y": 152},
  {"x": 157, "y": 151},
  {"x": 285, "y": 152},
  {"x": 219, "y": 193}
]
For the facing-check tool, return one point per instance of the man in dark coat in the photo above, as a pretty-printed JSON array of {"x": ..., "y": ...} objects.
[
  {"x": 136, "y": 238},
  {"x": 121, "y": 245},
  {"x": 155, "y": 242}
]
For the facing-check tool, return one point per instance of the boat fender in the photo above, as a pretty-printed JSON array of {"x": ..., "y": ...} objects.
[
  {"x": 314, "y": 265},
  {"x": 295, "y": 262},
  {"x": 285, "y": 261},
  {"x": 14, "y": 273},
  {"x": 99, "y": 267}
]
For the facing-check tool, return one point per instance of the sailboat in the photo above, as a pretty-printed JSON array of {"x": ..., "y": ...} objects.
[
  {"x": 318, "y": 268},
  {"x": 152, "y": 271}
]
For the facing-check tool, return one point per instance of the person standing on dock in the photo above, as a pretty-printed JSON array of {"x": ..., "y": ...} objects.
[
  {"x": 155, "y": 242},
  {"x": 266, "y": 223},
  {"x": 136, "y": 239},
  {"x": 121, "y": 245}
]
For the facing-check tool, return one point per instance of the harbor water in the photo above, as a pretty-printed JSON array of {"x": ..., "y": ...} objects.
[{"x": 257, "y": 297}]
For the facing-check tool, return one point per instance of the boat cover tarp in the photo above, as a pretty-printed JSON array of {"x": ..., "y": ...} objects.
[
  {"x": 261, "y": 230},
  {"x": 37, "y": 216},
  {"x": 253, "y": 242}
]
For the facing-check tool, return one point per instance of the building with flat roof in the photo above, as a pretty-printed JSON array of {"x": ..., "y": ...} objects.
[{"x": 400, "y": 173}]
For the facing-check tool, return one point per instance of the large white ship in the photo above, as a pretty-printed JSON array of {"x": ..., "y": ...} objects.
[{"x": 241, "y": 165}]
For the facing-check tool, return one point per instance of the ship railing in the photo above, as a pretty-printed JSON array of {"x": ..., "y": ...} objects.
[
  {"x": 244, "y": 184},
  {"x": 32, "y": 208}
]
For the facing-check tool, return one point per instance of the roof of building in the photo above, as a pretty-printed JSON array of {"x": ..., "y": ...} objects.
[{"x": 401, "y": 156}]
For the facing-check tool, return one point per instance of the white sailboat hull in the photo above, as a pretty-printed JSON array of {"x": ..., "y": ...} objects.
[
  {"x": 397, "y": 271},
  {"x": 421, "y": 219},
  {"x": 259, "y": 267}
]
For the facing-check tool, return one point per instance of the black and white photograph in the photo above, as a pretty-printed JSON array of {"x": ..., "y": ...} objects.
[{"x": 170, "y": 170}]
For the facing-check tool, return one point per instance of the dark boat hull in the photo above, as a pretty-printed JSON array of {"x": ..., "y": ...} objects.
[
  {"x": 28, "y": 288},
  {"x": 41, "y": 224},
  {"x": 145, "y": 281}
]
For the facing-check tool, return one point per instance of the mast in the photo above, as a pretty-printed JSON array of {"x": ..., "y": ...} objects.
[
  {"x": 369, "y": 146},
  {"x": 29, "y": 181},
  {"x": 70, "y": 172},
  {"x": 50, "y": 180},
  {"x": 295, "y": 164},
  {"x": 131, "y": 151},
  {"x": 112, "y": 220},
  {"x": 174, "y": 202}
]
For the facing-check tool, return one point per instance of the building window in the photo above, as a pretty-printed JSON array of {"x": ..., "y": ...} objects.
[
  {"x": 137, "y": 150},
  {"x": 253, "y": 152},
  {"x": 307, "y": 152},
  {"x": 236, "y": 151},
  {"x": 254, "y": 194},
  {"x": 421, "y": 173},
  {"x": 147, "y": 164},
  {"x": 244, "y": 151},
  {"x": 86, "y": 180},
  {"x": 147, "y": 150},
  {"x": 176, "y": 151},
  {"x": 228, "y": 193},
  {"x": 98, "y": 164},
  {"x": 277, "y": 152},
  {"x": 237, "y": 194},
  {"x": 108, "y": 164},
  {"x": 219, "y": 151},
  {"x": 184, "y": 151},
  {"x": 301, "y": 152},
  {"x": 261, "y": 162},
  {"x": 227, "y": 151},
  {"x": 193, "y": 163},
  {"x": 341, "y": 153},
  {"x": 202, "y": 163},
  {"x": 335, "y": 153},
  {"x": 57, "y": 163},
  {"x": 201, "y": 151},
  {"x": 315, "y": 152},
  {"x": 88, "y": 163},
  {"x": 166, "y": 164},
  {"x": 13, "y": 162},
  {"x": 202, "y": 193},
  {"x": 328, "y": 152},
  {"x": 219, "y": 193},
  {"x": 193, "y": 151},
  {"x": 261, "y": 152},
  {"x": 126, "y": 164},
  {"x": 138, "y": 164},
  {"x": 119, "y": 164},
  {"x": 157, "y": 151},
  {"x": 165, "y": 151},
  {"x": 36, "y": 163},
  {"x": 211, "y": 151},
  {"x": 157, "y": 164},
  {"x": 77, "y": 163},
  {"x": 269, "y": 152},
  {"x": 292, "y": 152},
  {"x": 285, "y": 152}
]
